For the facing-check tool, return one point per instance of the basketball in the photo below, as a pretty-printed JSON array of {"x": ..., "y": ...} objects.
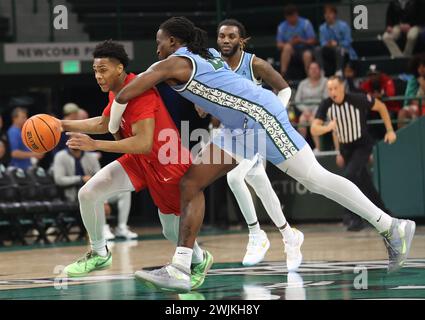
[{"x": 41, "y": 133}]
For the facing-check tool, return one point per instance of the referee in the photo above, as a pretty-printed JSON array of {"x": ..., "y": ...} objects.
[{"x": 347, "y": 113}]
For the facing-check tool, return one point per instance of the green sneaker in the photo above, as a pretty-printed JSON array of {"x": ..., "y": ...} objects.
[
  {"x": 398, "y": 241},
  {"x": 90, "y": 262},
  {"x": 199, "y": 271}
]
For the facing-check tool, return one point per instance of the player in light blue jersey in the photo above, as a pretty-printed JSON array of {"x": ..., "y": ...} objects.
[
  {"x": 200, "y": 75},
  {"x": 231, "y": 40}
]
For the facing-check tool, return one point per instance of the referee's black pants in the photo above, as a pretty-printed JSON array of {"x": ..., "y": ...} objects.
[{"x": 356, "y": 158}]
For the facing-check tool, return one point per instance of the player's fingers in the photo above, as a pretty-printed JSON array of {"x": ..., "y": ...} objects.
[
  {"x": 74, "y": 134},
  {"x": 73, "y": 143},
  {"x": 73, "y": 140}
]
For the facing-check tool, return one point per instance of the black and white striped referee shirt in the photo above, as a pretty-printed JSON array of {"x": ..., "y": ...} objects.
[{"x": 350, "y": 116}]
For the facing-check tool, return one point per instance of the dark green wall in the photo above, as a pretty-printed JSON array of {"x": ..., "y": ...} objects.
[{"x": 400, "y": 171}]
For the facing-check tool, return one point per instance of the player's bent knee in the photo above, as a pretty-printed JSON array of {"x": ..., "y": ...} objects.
[
  {"x": 86, "y": 194},
  {"x": 316, "y": 178},
  {"x": 235, "y": 180}
]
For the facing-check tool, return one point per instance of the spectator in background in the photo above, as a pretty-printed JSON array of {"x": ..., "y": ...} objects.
[
  {"x": 20, "y": 154},
  {"x": 380, "y": 85},
  {"x": 335, "y": 42},
  {"x": 403, "y": 17},
  {"x": 71, "y": 111},
  {"x": 3, "y": 154},
  {"x": 4, "y": 147},
  {"x": 310, "y": 92},
  {"x": 3, "y": 133},
  {"x": 295, "y": 39},
  {"x": 351, "y": 83},
  {"x": 72, "y": 169},
  {"x": 82, "y": 114},
  {"x": 413, "y": 89}
]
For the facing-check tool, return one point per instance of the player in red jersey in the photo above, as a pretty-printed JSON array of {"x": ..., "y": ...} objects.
[{"x": 149, "y": 161}]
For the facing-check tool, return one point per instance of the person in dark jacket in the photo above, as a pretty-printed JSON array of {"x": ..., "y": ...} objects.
[{"x": 403, "y": 17}]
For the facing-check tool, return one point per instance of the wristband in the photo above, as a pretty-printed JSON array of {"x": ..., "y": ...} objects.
[{"x": 284, "y": 96}]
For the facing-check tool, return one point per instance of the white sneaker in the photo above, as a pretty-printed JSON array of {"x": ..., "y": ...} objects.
[
  {"x": 107, "y": 234},
  {"x": 256, "y": 249},
  {"x": 124, "y": 232},
  {"x": 294, "y": 256}
]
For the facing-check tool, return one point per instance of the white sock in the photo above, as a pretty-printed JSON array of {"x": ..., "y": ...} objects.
[
  {"x": 99, "y": 246},
  {"x": 183, "y": 257},
  {"x": 287, "y": 233},
  {"x": 384, "y": 223},
  {"x": 198, "y": 254},
  {"x": 254, "y": 228}
]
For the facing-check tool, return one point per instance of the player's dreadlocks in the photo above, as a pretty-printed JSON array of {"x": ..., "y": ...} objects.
[
  {"x": 111, "y": 49},
  {"x": 193, "y": 37}
]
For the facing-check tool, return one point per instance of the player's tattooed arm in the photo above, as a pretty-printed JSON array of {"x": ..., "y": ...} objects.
[
  {"x": 263, "y": 70},
  {"x": 174, "y": 70}
]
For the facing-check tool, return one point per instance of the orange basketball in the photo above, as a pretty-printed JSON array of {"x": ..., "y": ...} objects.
[{"x": 41, "y": 133}]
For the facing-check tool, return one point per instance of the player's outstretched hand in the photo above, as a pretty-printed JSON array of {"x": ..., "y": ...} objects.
[
  {"x": 390, "y": 137},
  {"x": 80, "y": 141}
]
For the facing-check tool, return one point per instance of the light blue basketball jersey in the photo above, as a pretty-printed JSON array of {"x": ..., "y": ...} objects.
[
  {"x": 245, "y": 69},
  {"x": 240, "y": 104}
]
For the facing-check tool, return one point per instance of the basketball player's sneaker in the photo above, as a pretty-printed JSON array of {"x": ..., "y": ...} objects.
[
  {"x": 90, "y": 262},
  {"x": 200, "y": 270},
  {"x": 294, "y": 256},
  {"x": 107, "y": 233},
  {"x": 170, "y": 277},
  {"x": 398, "y": 241},
  {"x": 256, "y": 249},
  {"x": 124, "y": 232}
]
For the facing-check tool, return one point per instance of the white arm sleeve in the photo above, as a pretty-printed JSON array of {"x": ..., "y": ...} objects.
[
  {"x": 284, "y": 96},
  {"x": 117, "y": 109}
]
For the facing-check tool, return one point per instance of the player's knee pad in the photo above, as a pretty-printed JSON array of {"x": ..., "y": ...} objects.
[
  {"x": 86, "y": 193},
  {"x": 235, "y": 180},
  {"x": 315, "y": 178}
]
